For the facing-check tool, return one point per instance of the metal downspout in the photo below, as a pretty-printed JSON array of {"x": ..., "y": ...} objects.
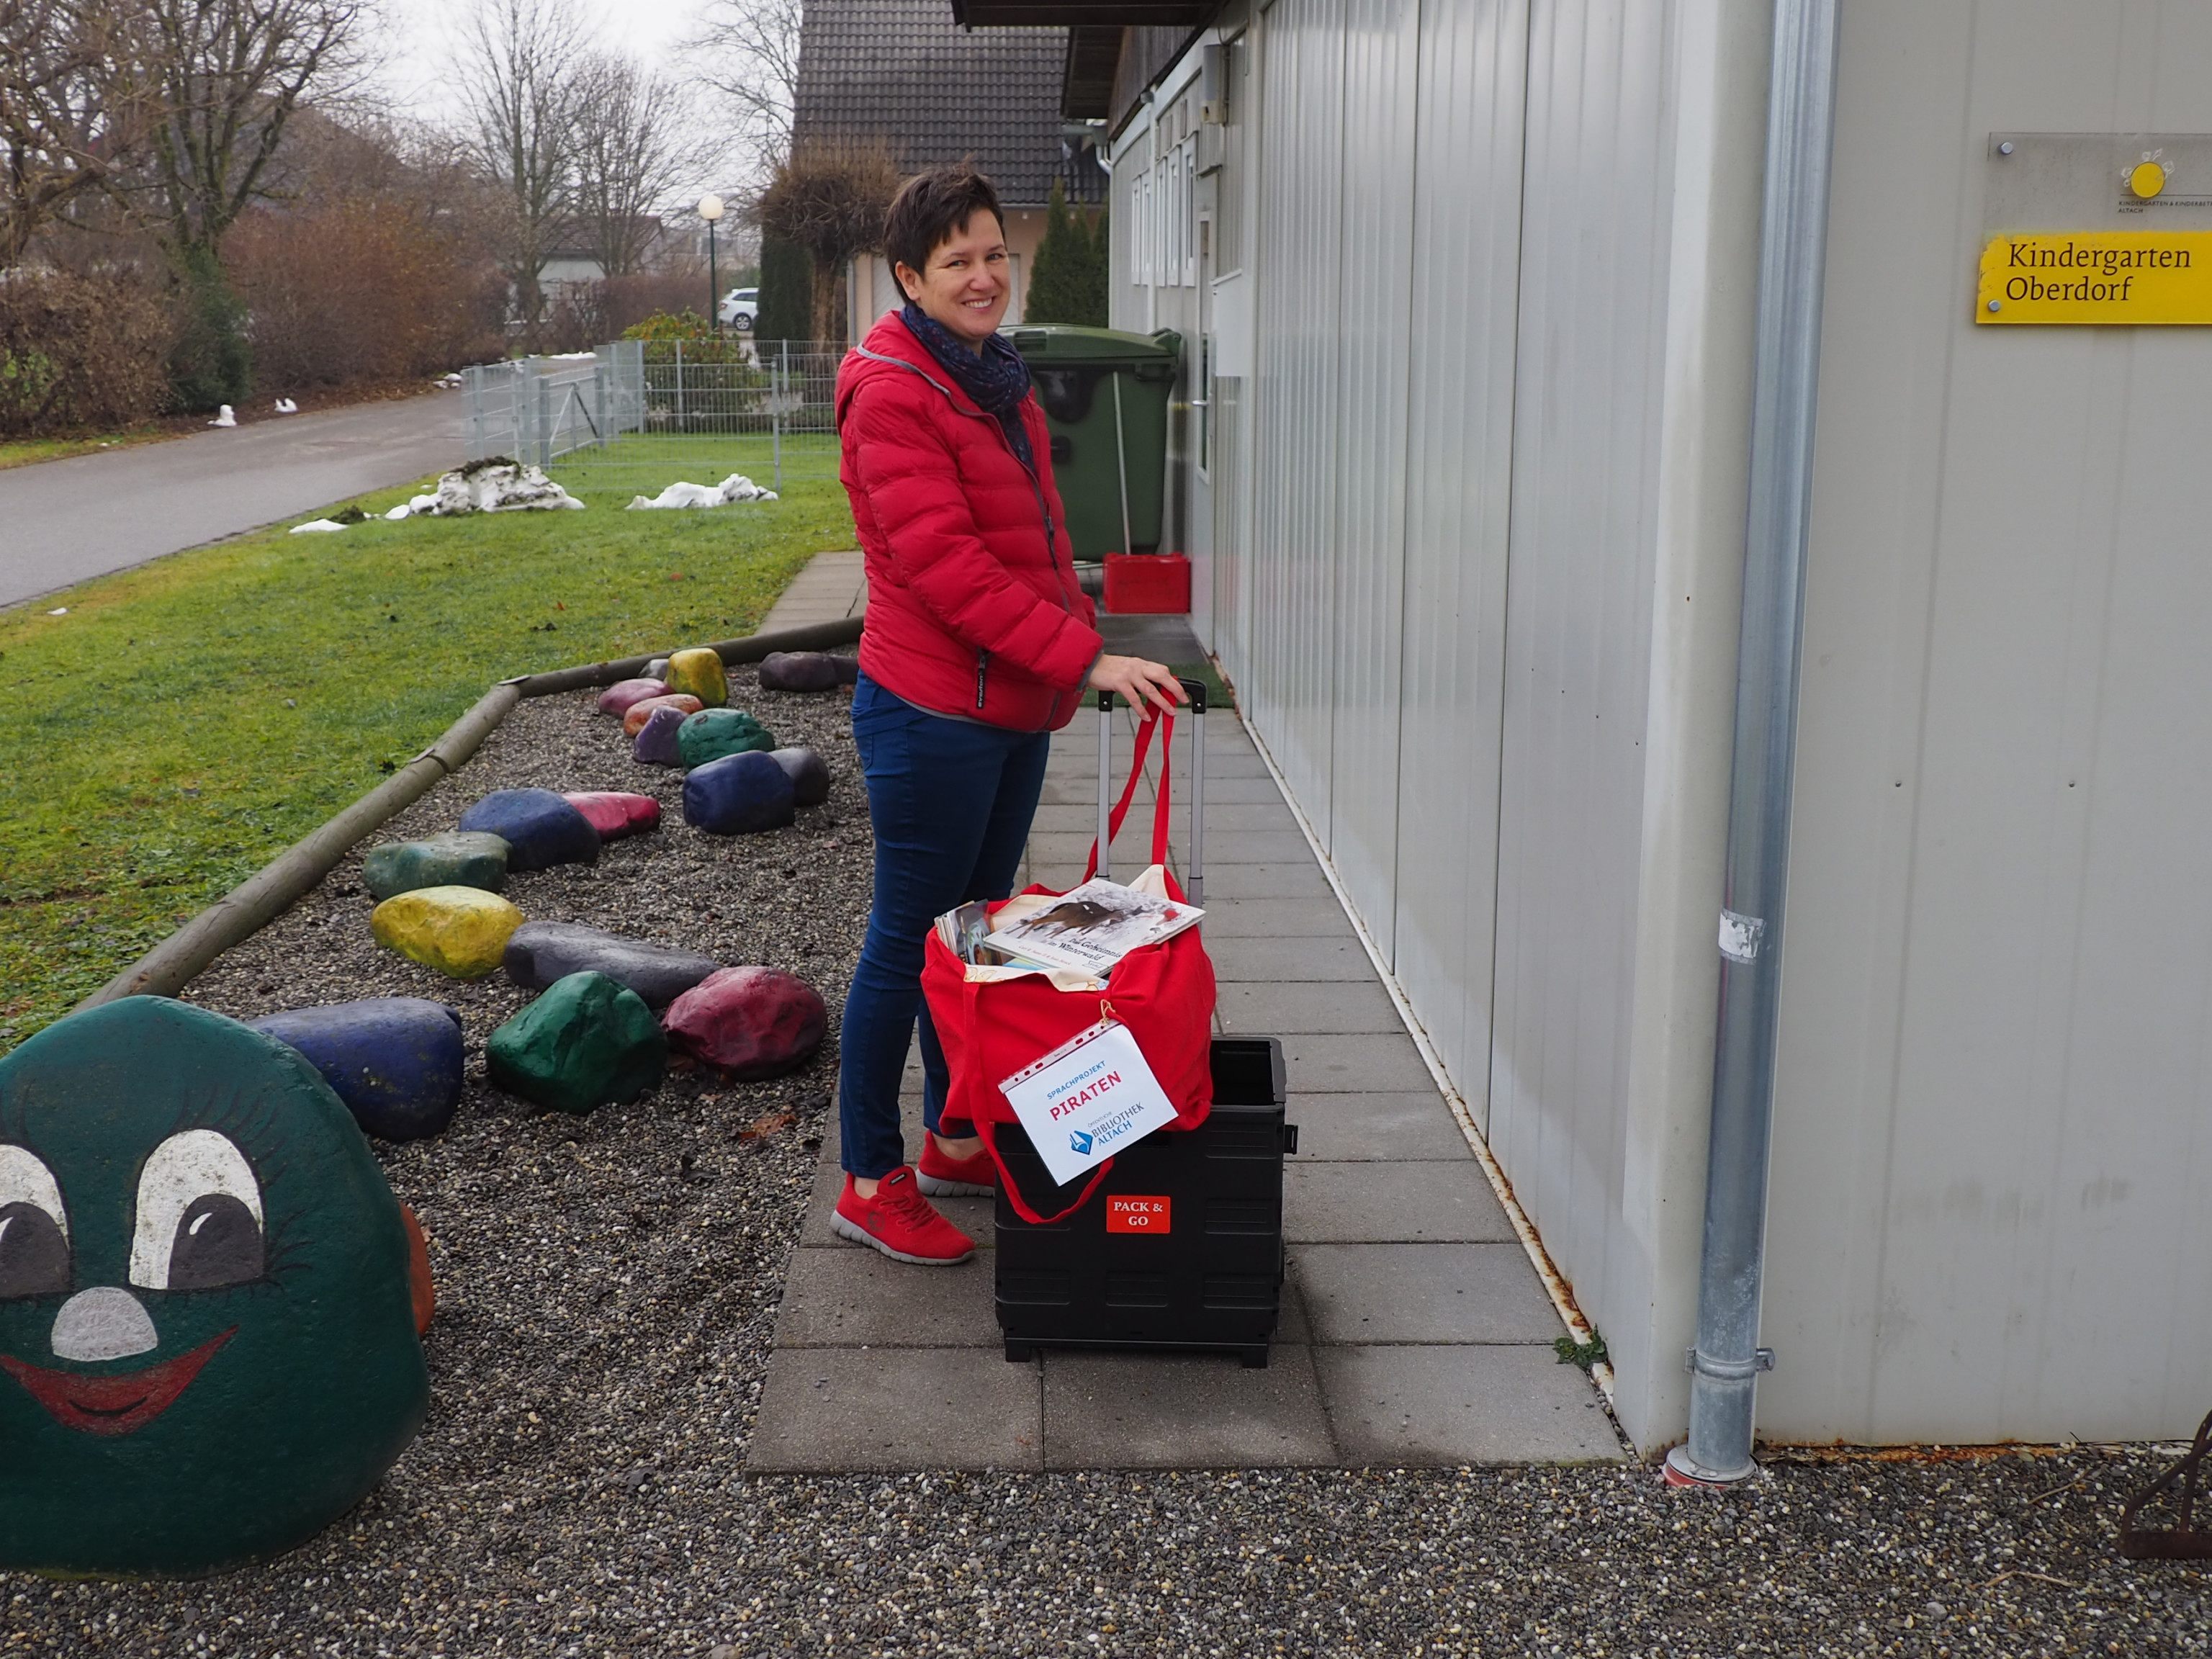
[{"x": 1793, "y": 241}]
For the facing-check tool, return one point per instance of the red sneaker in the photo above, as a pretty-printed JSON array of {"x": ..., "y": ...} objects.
[
  {"x": 944, "y": 1176},
  {"x": 899, "y": 1221}
]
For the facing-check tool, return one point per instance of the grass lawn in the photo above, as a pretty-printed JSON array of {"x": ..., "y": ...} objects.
[{"x": 188, "y": 720}]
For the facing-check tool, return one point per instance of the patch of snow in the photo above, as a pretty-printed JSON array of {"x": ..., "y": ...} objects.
[
  {"x": 224, "y": 416},
  {"x": 286, "y": 406},
  {"x": 448, "y": 382},
  {"x": 735, "y": 488},
  {"x": 316, "y": 527},
  {"x": 504, "y": 488},
  {"x": 58, "y": 610}
]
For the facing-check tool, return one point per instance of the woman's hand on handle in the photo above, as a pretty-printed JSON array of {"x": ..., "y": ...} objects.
[{"x": 1140, "y": 681}]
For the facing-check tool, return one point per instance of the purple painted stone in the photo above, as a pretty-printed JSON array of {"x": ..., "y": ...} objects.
[
  {"x": 616, "y": 699},
  {"x": 797, "y": 671},
  {"x": 656, "y": 738}
]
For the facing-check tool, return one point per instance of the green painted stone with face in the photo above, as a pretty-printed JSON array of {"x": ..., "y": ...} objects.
[{"x": 207, "y": 1349}]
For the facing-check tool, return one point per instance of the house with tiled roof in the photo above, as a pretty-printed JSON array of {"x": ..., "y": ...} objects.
[{"x": 904, "y": 73}]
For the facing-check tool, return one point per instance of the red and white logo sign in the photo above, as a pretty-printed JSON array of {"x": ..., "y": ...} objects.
[{"x": 1127, "y": 1212}]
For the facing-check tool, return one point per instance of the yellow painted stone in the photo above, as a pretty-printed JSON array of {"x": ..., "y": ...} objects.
[
  {"x": 459, "y": 931},
  {"x": 698, "y": 673}
]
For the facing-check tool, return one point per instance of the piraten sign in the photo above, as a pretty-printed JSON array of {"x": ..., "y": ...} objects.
[{"x": 1089, "y": 1098}]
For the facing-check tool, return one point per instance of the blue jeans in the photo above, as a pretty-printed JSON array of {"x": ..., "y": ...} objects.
[{"x": 950, "y": 803}]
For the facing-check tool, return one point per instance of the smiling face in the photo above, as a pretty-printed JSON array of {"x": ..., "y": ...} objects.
[
  {"x": 205, "y": 1331},
  {"x": 968, "y": 283}
]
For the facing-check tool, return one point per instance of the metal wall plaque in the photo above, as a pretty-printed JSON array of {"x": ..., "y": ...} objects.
[{"x": 2097, "y": 229}]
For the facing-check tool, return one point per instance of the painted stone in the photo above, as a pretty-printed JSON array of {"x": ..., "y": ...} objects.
[
  {"x": 459, "y": 858},
  {"x": 635, "y": 716},
  {"x": 714, "y": 733},
  {"x": 658, "y": 739},
  {"x": 808, "y": 772},
  {"x": 587, "y": 1041},
  {"x": 396, "y": 1061},
  {"x": 750, "y": 1022},
  {"x": 458, "y": 930},
  {"x": 208, "y": 1345},
  {"x": 698, "y": 674},
  {"x": 738, "y": 795},
  {"x": 615, "y": 814},
  {"x": 618, "y": 698},
  {"x": 798, "y": 671},
  {"x": 541, "y": 830},
  {"x": 656, "y": 669},
  {"x": 540, "y": 953}
]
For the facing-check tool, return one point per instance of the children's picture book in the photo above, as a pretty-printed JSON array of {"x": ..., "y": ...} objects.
[{"x": 1092, "y": 927}]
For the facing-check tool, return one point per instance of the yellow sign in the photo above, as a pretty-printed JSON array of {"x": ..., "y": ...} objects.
[{"x": 2128, "y": 277}]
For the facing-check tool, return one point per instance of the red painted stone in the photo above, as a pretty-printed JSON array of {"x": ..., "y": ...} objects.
[
  {"x": 635, "y": 716},
  {"x": 624, "y": 695},
  {"x": 750, "y": 1022},
  {"x": 615, "y": 814}
]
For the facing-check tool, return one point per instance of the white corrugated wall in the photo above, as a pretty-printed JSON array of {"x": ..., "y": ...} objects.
[
  {"x": 1464, "y": 220},
  {"x": 1992, "y": 1213}
]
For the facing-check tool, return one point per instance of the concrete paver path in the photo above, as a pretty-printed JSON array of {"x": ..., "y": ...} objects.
[
  {"x": 1415, "y": 1330},
  {"x": 63, "y": 521}
]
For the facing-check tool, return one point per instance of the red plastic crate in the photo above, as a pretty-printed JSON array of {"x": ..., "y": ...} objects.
[{"x": 1148, "y": 584}]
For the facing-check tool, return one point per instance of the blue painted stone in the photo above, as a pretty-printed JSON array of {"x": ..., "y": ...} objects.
[
  {"x": 396, "y": 1061},
  {"x": 657, "y": 744},
  {"x": 738, "y": 795},
  {"x": 541, "y": 830}
]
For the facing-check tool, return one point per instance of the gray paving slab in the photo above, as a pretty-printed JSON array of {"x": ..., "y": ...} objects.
[
  {"x": 1223, "y": 848},
  {"x": 1415, "y": 1293},
  {"x": 849, "y": 1296},
  {"x": 1324, "y": 1005},
  {"x": 1452, "y": 1405},
  {"x": 1343, "y": 1063},
  {"x": 1336, "y": 956},
  {"x": 1275, "y": 918},
  {"x": 1232, "y": 880},
  {"x": 1374, "y": 1202},
  {"x": 1386, "y": 1125},
  {"x": 1114, "y": 1411},
  {"x": 1234, "y": 819},
  {"x": 851, "y": 1409}
]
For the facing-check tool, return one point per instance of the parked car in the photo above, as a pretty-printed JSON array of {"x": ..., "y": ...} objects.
[{"x": 740, "y": 306}]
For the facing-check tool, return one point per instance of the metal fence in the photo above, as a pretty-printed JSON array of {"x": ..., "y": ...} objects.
[
  {"x": 539, "y": 409},
  {"x": 770, "y": 409}
]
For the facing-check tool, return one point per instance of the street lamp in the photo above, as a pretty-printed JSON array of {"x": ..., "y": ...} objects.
[{"x": 710, "y": 209}]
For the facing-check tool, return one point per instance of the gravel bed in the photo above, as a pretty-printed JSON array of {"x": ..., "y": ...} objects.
[{"x": 607, "y": 1291}]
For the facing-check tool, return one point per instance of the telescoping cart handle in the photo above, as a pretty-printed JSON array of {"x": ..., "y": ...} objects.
[{"x": 1194, "y": 879}]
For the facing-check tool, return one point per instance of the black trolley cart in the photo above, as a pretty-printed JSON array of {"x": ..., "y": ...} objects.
[{"x": 1181, "y": 1247}]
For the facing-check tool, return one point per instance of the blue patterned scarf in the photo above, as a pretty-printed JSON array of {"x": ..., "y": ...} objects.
[{"x": 998, "y": 380}]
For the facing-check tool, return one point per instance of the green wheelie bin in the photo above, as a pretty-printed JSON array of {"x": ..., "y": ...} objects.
[{"x": 1105, "y": 398}]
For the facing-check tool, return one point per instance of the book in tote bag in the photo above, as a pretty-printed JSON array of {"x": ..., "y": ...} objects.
[{"x": 1002, "y": 1025}]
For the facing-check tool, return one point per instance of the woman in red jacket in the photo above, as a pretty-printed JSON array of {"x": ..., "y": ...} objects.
[{"x": 979, "y": 645}]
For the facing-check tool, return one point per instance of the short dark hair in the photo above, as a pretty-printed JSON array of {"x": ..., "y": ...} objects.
[{"x": 930, "y": 207}]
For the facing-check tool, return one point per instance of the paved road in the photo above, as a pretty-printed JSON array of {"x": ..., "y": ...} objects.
[{"x": 63, "y": 521}]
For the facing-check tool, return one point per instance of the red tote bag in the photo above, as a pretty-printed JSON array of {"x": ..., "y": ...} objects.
[{"x": 1163, "y": 993}]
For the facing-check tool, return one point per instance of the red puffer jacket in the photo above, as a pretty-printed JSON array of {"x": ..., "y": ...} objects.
[{"x": 973, "y": 607}]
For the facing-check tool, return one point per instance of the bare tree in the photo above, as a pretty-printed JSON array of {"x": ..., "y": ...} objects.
[
  {"x": 632, "y": 149},
  {"x": 748, "y": 51},
  {"x": 520, "y": 80},
  {"x": 230, "y": 75},
  {"x": 830, "y": 199},
  {"x": 73, "y": 108}
]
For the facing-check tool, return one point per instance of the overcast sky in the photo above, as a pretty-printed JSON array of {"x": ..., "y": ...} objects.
[{"x": 420, "y": 34}]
